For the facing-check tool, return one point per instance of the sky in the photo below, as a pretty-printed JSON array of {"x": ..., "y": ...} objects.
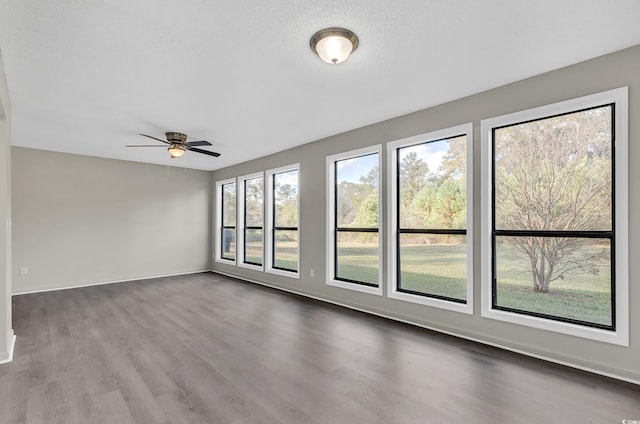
[
  {"x": 289, "y": 177},
  {"x": 352, "y": 169},
  {"x": 432, "y": 153}
]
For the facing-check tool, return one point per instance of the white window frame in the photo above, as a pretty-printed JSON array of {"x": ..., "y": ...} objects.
[
  {"x": 392, "y": 190},
  {"x": 218, "y": 239},
  {"x": 620, "y": 336},
  {"x": 268, "y": 184},
  {"x": 240, "y": 248},
  {"x": 331, "y": 161}
]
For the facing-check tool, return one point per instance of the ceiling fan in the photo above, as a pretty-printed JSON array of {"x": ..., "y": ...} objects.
[{"x": 178, "y": 144}]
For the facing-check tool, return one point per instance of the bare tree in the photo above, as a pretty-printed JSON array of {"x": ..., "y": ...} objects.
[{"x": 555, "y": 174}]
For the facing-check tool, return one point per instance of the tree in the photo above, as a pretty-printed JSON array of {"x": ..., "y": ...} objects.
[
  {"x": 367, "y": 215},
  {"x": 371, "y": 179},
  {"x": 450, "y": 208},
  {"x": 454, "y": 162},
  {"x": 413, "y": 177},
  {"x": 555, "y": 175},
  {"x": 229, "y": 202},
  {"x": 286, "y": 205},
  {"x": 440, "y": 201},
  {"x": 285, "y": 192},
  {"x": 254, "y": 201}
]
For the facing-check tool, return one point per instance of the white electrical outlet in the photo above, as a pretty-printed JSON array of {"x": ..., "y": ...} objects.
[
  {"x": 24, "y": 270},
  {"x": 312, "y": 273}
]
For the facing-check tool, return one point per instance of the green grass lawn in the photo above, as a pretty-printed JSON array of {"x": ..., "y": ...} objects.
[
  {"x": 580, "y": 295},
  {"x": 358, "y": 262},
  {"x": 440, "y": 269},
  {"x": 432, "y": 269},
  {"x": 436, "y": 269},
  {"x": 582, "y": 305},
  {"x": 253, "y": 252},
  {"x": 286, "y": 255}
]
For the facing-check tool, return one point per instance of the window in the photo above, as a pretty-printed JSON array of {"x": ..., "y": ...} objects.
[
  {"x": 226, "y": 213},
  {"x": 250, "y": 214},
  {"x": 283, "y": 215},
  {"x": 353, "y": 215},
  {"x": 431, "y": 251},
  {"x": 556, "y": 216}
]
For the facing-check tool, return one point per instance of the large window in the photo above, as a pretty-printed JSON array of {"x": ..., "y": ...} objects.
[
  {"x": 353, "y": 215},
  {"x": 226, "y": 213},
  {"x": 430, "y": 253},
  {"x": 283, "y": 216},
  {"x": 250, "y": 214},
  {"x": 557, "y": 215}
]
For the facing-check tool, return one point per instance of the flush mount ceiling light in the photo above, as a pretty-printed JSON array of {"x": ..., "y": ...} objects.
[{"x": 334, "y": 45}]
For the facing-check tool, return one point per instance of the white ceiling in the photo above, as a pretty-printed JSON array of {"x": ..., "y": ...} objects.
[{"x": 87, "y": 76}]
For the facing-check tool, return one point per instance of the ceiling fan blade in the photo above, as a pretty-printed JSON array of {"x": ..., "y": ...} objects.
[
  {"x": 198, "y": 143},
  {"x": 155, "y": 138},
  {"x": 145, "y": 145},
  {"x": 206, "y": 152}
]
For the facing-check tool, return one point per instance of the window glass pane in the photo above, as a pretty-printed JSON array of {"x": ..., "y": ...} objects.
[
  {"x": 285, "y": 251},
  {"x": 434, "y": 264},
  {"x": 253, "y": 246},
  {"x": 229, "y": 205},
  {"x": 253, "y": 202},
  {"x": 555, "y": 173},
  {"x": 557, "y": 276},
  {"x": 358, "y": 257},
  {"x": 357, "y": 192},
  {"x": 432, "y": 186},
  {"x": 229, "y": 243},
  {"x": 285, "y": 198}
]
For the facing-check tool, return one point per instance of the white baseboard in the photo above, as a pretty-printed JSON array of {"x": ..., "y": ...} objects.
[
  {"x": 76, "y": 286},
  {"x": 8, "y": 357},
  {"x": 439, "y": 330}
]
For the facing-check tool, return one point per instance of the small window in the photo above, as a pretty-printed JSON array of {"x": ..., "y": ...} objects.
[
  {"x": 431, "y": 260},
  {"x": 283, "y": 215},
  {"x": 226, "y": 213},
  {"x": 353, "y": 210},
  {"x": 557, "y": 212},
  {"x": 250, "y": 213}
]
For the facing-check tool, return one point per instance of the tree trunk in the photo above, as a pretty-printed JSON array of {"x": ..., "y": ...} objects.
[{"x": 534, "y": 273}]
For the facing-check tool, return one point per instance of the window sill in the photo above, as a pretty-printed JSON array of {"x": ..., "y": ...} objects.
[
  {"x": 618, "y": 337},
  {"x": 356, "y": 287},
  {"x": 465, "y": 308},
  {"x": 251, "y": 266},
  {"x": 283, "y": 273}
]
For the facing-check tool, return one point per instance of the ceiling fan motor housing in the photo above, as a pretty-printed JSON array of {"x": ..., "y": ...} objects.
[{"x": 176, "y": 137}]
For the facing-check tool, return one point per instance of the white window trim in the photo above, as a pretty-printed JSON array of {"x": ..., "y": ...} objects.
[
  {"x": 392, "y": 190},
  {"x": 218, "y": 238},
  {"x": 240, "y": 190},
  {"x": 618, "y": 96},
  {"x": 268, "y": 184},
  {"x": 331, "y": 161}
]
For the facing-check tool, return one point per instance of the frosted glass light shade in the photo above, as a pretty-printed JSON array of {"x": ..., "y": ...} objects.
[
  {"x": 334, "y": 45},
  {"x": 176, "y": 151},
  {"x": 334, "y": 49}
]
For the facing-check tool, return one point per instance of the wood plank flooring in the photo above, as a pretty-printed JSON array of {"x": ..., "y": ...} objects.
[{"x": 209, "y": 349}]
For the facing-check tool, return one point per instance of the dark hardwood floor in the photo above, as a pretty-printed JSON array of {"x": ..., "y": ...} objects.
[{"x": 208, "y": 349}]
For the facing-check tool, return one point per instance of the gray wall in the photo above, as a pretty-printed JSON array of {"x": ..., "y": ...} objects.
[
  {"x": 6, "y": 333},
  {"x": 82, "y": 220},
  {"x": 600, "y": 74}
]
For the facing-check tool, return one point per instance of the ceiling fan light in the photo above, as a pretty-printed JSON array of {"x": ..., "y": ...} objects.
[
  {"x": 176, "y": 151},
  {"x": 334, "y": 45}
]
